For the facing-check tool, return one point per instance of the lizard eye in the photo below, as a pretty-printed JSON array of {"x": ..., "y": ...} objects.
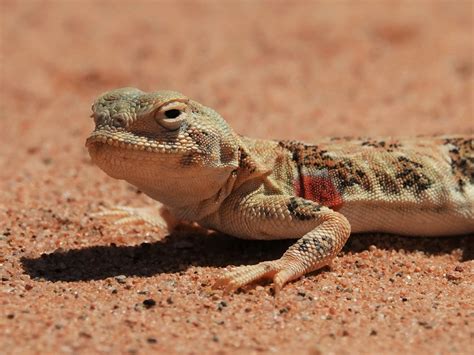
[{"x": 171, "y": 115}]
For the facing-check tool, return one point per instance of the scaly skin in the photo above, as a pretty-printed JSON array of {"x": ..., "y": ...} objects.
[{"x": 185, "y": 156}]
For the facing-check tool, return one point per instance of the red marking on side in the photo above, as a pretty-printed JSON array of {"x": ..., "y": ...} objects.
[{"x": 319, "y": 189}]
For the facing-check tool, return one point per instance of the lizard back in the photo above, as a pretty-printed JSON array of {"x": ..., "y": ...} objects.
[{"x": 421, "y": 186}]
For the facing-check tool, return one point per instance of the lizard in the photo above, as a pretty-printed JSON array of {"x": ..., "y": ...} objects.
[{"x": 185, "y": 156}]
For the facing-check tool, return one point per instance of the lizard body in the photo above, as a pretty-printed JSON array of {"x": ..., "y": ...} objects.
[{"x": 186, "y": 156}]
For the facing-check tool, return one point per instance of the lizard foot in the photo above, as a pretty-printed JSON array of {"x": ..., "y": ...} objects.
[
  {"x": 281, "y": 271},
  {"x": 158, "y": 217}
]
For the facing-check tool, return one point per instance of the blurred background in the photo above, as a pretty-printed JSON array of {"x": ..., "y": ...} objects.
[{"x": 292, "y": 69}]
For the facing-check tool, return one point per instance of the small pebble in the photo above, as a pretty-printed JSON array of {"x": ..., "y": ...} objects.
[
  {"x": 148, "y": 303},
  {"x": 221, "y": 305},
  {"x": 121, "y": 279},
  {"x": 454, "y": 276}
]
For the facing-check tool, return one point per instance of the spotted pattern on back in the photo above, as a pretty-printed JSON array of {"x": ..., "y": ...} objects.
[
  {"x": 335, "y": 170},
  {"x": 461, "y": 152},
  {"x": 342, "y": 170},
  {"x": 322, "y": 177},
  {"x": 411, "y": 175}
]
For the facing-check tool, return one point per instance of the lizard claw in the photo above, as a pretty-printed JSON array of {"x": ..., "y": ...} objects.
[
  {"x": 131, "y": 215},
  {"x": 277, "y": 270}
]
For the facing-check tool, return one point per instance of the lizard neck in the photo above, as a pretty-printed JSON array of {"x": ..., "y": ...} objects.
[
  {"x": 187, "y": 190},
  {"x": 256, "y": 164}
]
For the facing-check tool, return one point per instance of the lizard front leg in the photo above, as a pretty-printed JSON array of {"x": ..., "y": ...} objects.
[
  {"x": 322, "y": 233},
  {"x": 157, "y": 216}
]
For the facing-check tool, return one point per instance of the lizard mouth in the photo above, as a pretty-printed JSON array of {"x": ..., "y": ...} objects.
[
  {"x": 121, "y": 157},
  {"x": 115, "y": 151},
  {"x": 127, "y": 141},
  {"x": 124, "y": 155}
]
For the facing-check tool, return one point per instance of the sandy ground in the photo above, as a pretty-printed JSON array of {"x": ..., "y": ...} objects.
[{"x": 296, "y": 70}]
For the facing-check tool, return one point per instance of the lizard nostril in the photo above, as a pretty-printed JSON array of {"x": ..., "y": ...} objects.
[{"x": 119, "y": 122}]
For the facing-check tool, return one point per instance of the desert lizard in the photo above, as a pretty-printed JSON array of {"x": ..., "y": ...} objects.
[{"x": 186, "y": 156}]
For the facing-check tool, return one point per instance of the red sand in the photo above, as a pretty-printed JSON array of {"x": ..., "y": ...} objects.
[{"x": 295, "y": 70}]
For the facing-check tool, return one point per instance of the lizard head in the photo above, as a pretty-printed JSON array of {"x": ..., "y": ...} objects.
[{"x": 167, "y": 145}]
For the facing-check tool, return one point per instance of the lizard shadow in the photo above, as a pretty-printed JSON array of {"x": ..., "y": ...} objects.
[
  {"x": 175, "y": 253},
  {"x": 178, "y": 251}
]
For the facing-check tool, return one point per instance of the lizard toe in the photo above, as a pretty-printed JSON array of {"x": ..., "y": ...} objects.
[
  {"x": 281, "y": 271},
  {"x": 132, "y": 215},
  {"x": 244, "y": 275}
]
